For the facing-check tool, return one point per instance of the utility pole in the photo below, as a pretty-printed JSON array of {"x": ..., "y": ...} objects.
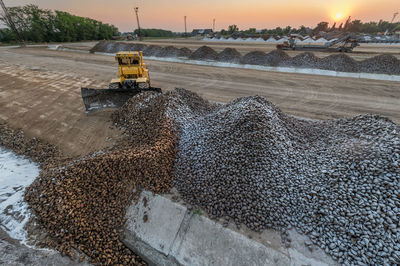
[
  {"x": 11, "y": 24},
  {"x": 213, "y": 25},
  {"x": 184, "y": 18},
  {"x": 138, "y": 25}
]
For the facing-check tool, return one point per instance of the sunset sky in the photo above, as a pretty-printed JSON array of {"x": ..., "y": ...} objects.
[{"x": 258, "y": 14}]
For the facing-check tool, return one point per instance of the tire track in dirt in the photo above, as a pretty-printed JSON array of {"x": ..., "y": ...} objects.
[{"x": 48, "y": 104}]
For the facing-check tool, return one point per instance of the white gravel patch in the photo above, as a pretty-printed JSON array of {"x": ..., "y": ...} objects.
[{"x": 16, "y": 173}]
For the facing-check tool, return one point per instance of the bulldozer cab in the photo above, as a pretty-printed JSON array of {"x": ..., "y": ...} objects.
[
  {"x": 131, "y": 69},
  {"x": 128, "y": 61},
  {"x": 129, "y": 58}
]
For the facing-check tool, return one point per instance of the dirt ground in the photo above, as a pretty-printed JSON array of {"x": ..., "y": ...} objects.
[{"x": 40, "y": 93}]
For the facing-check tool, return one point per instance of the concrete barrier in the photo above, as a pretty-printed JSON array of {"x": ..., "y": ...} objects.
[{"x": 164, "y": 232}]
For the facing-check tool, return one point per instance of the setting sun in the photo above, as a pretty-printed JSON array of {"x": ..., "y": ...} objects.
[{"x": 338, "y": 16}]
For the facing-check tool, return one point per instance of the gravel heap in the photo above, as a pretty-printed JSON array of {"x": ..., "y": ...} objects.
[
  {"x": 82, "y": 205},
  {"x": 184, "y": 106},
  {"x": 152, "y": 50},
  {"x": 105, "y": 47},
  {"x": 184, "y": 52},
  {"x": 273, "y": 58},
  {"x": 168, "y": 51},
  {"x": 255, "y": 58},
  {"x": 204, "y": 53},
  {"x": 277, "y": 57},
  {"x": 306, "y": 59},
  {"x": 114, "y": 47},
  {"x": 137, "y": 47},
  {"x": 230, "y": 55},
  {"x": 339, "y": 62},
  {"x": 384, "y": 64},
  {"x": 171, "y": 51},
  {"x": 337, "y": 181},
  {"x": 32, "y": 148}
]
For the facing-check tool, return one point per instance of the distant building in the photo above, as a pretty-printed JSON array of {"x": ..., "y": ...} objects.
[{"x": 202, "y": 32}]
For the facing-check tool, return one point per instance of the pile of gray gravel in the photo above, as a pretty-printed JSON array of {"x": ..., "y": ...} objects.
[
  {"x": 152, "y": 50},
  {"x": 204, "y": 53},
  {"x": 306, "y": 59},
  {"x": 339, "y": 62},
  {"x": 384, "y": 64},
  {"x": 337, "y": 181},
  {"x": 277, "y": 57},
  {"x": 230, "y": 55},
  {"x": 184, "y": 52},
  {"x": 255, "y": 58},
  {"x": 170, "y": 51}
]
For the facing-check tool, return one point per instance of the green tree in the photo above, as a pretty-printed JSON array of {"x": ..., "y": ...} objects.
[
  {"x": 42, "y": 25},
  {"x": 355, "y": 26},
  {"x": 233, "y": 29},
  {"x": 155, "y": 33},
  {"x": 322, "y": 26},
  {"x": 287, "y": 30}
]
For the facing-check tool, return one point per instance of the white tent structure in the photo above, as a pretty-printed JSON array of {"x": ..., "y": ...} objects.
[
  {"x": 297, "y": 40},
  {"x": 281, "y": 40},
  {"x": 271, "y": 40},
  {"x": 307, "y": 40},
  {"x": 320, "y": 40}
]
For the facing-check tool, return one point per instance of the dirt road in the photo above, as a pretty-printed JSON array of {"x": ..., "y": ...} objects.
[{"x": 40, "y": 92}]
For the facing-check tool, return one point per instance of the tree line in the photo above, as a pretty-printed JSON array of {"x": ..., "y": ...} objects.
[
  {"x": 155, "y": 33},
  {"x": 42, "y": 25},
  {"x": 355, "y": 26}
]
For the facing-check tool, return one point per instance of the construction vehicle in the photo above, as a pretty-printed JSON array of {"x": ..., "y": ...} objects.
[
  {"x": 388, "y": 30},
  {"x": 133, "y": 78},
  {"x": 344, "y": 44}
]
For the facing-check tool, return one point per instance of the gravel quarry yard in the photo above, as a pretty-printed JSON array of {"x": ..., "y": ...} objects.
[{"x": 257, "y": 150}]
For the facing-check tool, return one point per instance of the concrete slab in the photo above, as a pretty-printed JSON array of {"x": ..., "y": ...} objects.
[
  {"x": 209, "y": 243},
  {"x": 156, "y": 221},
  {"x": 164, "y": 232}
]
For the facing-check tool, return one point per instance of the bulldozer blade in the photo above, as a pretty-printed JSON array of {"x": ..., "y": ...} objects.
[{"x": 96, "y": 99}]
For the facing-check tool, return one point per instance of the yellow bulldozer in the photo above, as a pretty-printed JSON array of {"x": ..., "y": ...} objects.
[{"x": 133, "y": 78}]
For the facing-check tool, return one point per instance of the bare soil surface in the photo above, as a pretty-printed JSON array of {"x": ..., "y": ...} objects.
[{"x": 40, "y": 93}]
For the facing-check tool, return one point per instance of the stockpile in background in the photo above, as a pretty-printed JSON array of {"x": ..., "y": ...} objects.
[{"x": 381, "y": 64}]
